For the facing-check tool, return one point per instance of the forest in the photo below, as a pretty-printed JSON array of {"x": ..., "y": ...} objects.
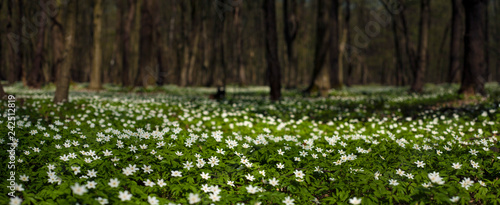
[
  {"x": 249, "y": 102},
  {"x": 299, "y": 44}
]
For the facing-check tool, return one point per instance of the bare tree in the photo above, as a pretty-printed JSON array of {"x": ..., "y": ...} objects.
[
  {"x": 2, "y": 92},
  {"x": 273, "y": 64},
  {"x": 291, "y": 27},
  {"x": 456, "y": 40},
  {"x": 335, "y": 70},
  {"x": 474, "y": 65},
  {"x": 419, "y": 71},
  {"x": 35, "y": 76},
  {"x": 96, "y": 72},
  {"x": 63, "y": 79},
  {"x": 239, "y": 44},
  {"x": 15, "y": 54},
  {"x": 321, "y": 45},
  {"x": 125, "y": 34}
]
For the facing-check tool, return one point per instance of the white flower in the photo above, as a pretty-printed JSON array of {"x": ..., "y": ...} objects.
[
  {"x": 288, "y": 201},
  {"x": 455, "y": 199},
  {"x": 205, "y": 188},
  {"x": 299, "y": 174},
  {"x": 205, "y": 175},
  {"x": 435, "y": 178},
  {"x": 107, "y": 153},
  {"x": 188, "y": 165},
  {"x": 466, "y": 183},
  {"x": 91, "y": 173},
  {"x": 15, "y": 201},
  {"x": 147, "y": 169},
  {"x": 400, "y": 172},
  {"x": 249, "y": 177},
  {"x": 24, "y": 178},
  {"x": 114, "y": 182},
  {"x": 420, "y": 164},
  {"x": 456, "y": 165},
  {"x": 475, "y": 165},
  {"x": 149, "y": 183},
  {"x": 161, "y": 183},
  {"x": 102, "y": 201},
  {"x": 194, "y": 198},
  {"x": 153, "y": 200},
  {"x": 124, "y": 195},
  {"x": 482, "y": 183},
  {"x": 252, "y": 190},
  {"x": 91, "y": 184},
  {"x": 393, "y": 182},
  {"x": 273, "y": 182},
  {"x": 355, "y": 201},
  {"x": 230, "y": 183},
  {"x": 176, "y": 173},
  {"x": 214, "y": 197},
  {"x": 280, "y": 166},
  {"x": 78, "y": 190}
]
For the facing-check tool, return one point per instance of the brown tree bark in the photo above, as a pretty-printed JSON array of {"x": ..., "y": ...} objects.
[
  {"x": 15, "y": 37},
  {"x": 335, "y": 69},
  {"x": 126, "y": 39},
  {"x": 273, "y": 64},
  {"x": 96, "y": 72},
  {"x": 2, "y": 92},
  {"x": 148, "y": 46},
  {"x": 419, "y": 71},
  {"x": 63, "y": 79},
  {"x": 486, "y": 42},
  {"x": 456, "y": 40},
  {"x": 397, "y": 48},
  {"x": 135, "y": 42},
  {"x": 474, "y": 64},
  {"x": 291, "y": 27},
  {"x": 408, "y": 45},
  {"x": 239, "y": 46},
  {"x": 35, "y": 76},
  {"x": 322, "y": 43}
]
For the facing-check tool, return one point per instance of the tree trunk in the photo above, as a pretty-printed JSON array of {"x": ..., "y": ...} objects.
[
  {"x": 291, "y": 27},
  {"x": 273, "y": 64},
  {"x": 96, "y": 72},
  {"x": 239, "y": 45},
  {"x": 409, "y": 48},
  {"x": 135, "y": 42},
  {"x": 419, "y": 71},
  {"x": 126, "y": 39},
  {"x": 2, "y": 92},
  {"x": 147, "y": 45},
  {"x": 14, "y": 29},
  {"x": 63, "y": 80},
  {"x": 456, "y": 41},
  {"x": 486, "y": 43},
  {"x": 322, "y": 42},
  {"x": 474, "y": 63},
  {"x": 35, "y": 76},
  {"x": 335, "y": 69}
]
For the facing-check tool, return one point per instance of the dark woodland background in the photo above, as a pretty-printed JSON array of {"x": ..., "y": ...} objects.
[{"x": 303, "y": 44}]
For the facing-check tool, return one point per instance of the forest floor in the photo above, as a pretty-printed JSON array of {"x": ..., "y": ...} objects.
[{"x": 171, "y": 145}]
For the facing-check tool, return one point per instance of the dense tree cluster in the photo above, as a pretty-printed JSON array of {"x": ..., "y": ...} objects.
[{"x": 317, "y": 44}]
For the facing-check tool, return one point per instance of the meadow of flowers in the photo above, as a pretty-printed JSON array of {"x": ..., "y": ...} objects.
[{"x": 361, "y": 146}]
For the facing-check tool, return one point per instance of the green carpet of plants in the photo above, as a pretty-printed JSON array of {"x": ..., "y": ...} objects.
[{"x": 169, "y": 145}]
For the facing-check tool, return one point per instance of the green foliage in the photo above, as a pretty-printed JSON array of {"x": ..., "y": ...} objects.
[{"x": 361, "y": 142}]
